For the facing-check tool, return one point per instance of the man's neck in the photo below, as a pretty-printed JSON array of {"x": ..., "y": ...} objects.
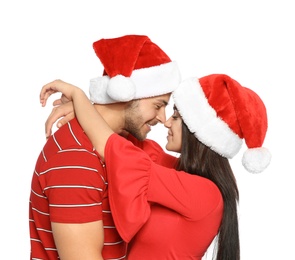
[{"x": 113, "y": 114}]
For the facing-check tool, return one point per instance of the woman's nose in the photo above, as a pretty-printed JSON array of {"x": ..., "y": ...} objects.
[{"x": 168, "y": 122}]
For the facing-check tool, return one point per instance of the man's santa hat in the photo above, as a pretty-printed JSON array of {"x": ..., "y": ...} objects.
[
  {"x": 221, "y": 113},
  {"x": 134, "y": 67}
]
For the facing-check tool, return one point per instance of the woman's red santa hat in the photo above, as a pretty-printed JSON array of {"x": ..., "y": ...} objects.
[
  {"x": 221, "y": 113},
  {"x": 134, "y": 67}
]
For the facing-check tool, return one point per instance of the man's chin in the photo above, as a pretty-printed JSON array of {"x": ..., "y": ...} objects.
[
  {"x": 142, "y": 137},
  {"x": 139, "y": 136}
]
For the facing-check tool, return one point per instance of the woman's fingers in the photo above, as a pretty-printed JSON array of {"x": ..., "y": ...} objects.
[
  {"x": 63, "y": 111},
  {"x": 46, "y": 91},
  {"x": 60, "y": 114}
]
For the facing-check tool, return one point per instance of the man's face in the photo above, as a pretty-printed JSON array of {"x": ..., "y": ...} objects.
[{"x": 144, "y": 113}]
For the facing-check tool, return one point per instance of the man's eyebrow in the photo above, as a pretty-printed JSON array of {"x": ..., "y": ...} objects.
[
  {"x": 160, "y": 100},
  {"x": 165, "y": 103}
]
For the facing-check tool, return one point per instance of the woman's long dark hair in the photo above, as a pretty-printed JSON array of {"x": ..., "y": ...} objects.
[{"x": 196, "y": 158}]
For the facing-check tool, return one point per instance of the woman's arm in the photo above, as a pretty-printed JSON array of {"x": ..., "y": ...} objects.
[{"x": 91, "y": 121}]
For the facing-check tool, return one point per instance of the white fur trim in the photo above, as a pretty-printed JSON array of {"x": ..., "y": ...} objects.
[
  {"x": 255, "y": 160},
  {"x": 157, "y": 80},
  {"x": 149, "y": 82},
  {"x": 202, "y": 119},
  {"x": 98, "y": 90},
  {"x": 121, "y": 88}
]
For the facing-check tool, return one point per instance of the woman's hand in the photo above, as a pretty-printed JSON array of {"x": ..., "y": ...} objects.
[
  {"x": 61, "y": 114},
  {"x": 55, "y": 86},
  {"x": 63, "y": 106}
]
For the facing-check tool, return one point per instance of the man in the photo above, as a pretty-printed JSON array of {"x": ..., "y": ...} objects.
[{"x": 70, "y": 217}]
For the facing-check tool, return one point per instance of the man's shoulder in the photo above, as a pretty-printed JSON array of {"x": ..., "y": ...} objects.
[
  {"x": 72, "y": 134},
  {"x": 70, "y": 140}
]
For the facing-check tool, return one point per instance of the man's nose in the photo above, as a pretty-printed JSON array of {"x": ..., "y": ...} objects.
[{"x": 161, "y": 116}]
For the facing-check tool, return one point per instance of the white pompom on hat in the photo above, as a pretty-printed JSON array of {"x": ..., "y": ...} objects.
[
  {"x": 221, "y": 113},
  {"x": 134, "y": 67}
]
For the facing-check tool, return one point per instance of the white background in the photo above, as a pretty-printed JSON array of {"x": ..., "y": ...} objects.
[{"x": 252, "y": 41}]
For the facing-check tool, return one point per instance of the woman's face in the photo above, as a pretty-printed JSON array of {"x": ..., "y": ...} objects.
[{"x": 174, "y": 125}]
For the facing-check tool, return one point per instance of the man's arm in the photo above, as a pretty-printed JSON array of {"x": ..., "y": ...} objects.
[{"x": 79, "y": 241}]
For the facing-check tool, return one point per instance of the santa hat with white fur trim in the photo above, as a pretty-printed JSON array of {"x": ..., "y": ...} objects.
[
  {"x": 221, "y": 113},
  {"x": 134, "y": 67}
]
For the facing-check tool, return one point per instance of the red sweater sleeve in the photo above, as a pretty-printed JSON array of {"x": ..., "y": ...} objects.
[
  {"x": 135, "y": 181},
  {"x": 127, "y": 169}
]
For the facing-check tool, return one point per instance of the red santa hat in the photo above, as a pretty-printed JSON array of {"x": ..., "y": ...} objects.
[
  {"x": 221, "y": 113},
  {"x": 134, "y": 67}
]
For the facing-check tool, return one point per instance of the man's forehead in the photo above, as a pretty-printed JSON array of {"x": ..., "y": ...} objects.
[
  {"x": 163, "y": 98},
  {"x": 160, "y": 99}
]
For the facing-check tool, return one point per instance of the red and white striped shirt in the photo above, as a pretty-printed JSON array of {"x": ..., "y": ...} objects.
[{"x": 69, "y": 185}]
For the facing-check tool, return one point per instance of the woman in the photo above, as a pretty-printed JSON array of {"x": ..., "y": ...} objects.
[{"x": 169, "y": 213}]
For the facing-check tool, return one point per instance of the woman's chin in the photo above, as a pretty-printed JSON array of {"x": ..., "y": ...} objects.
[{"x": 169, "y": 148}]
